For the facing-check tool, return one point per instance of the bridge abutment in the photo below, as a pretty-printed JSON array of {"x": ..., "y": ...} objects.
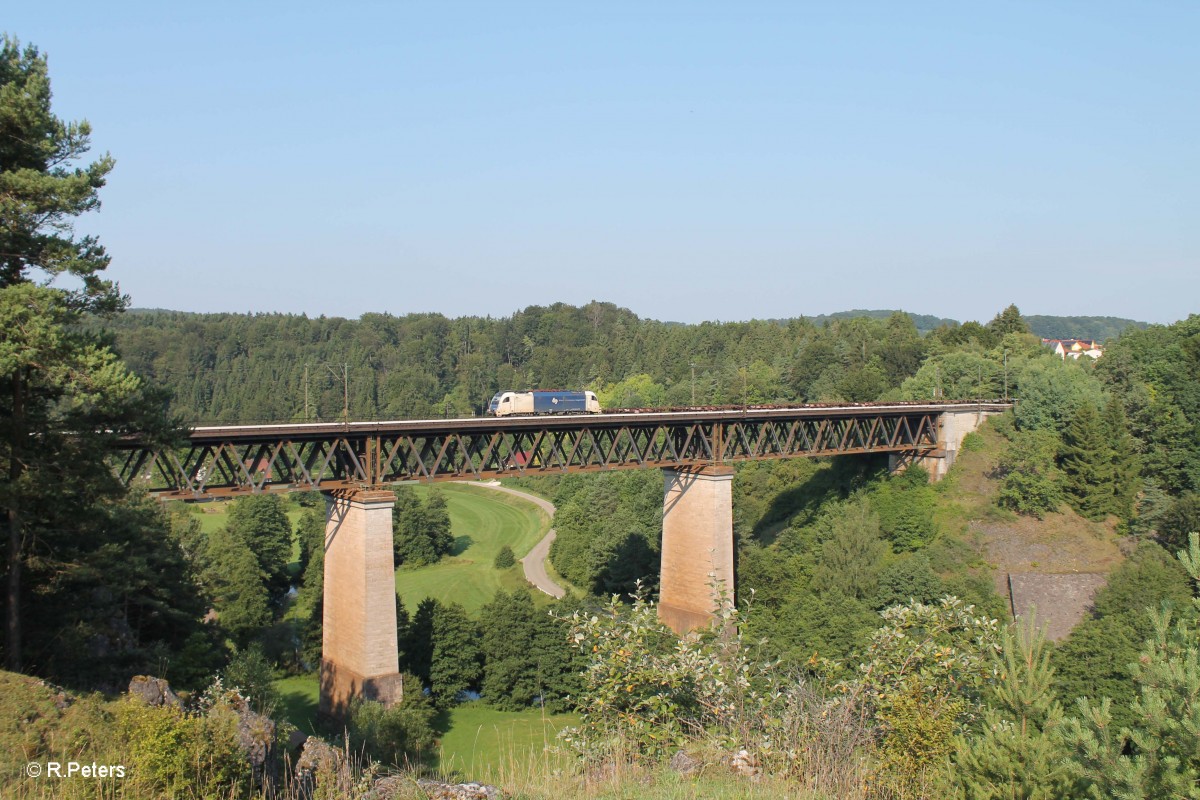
[
  {"x": 953, "y": 427},
  {"x": 697, "y": 546},
  {"x": 359, "y": 653}
]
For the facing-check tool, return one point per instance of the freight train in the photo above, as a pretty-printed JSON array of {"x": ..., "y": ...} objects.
[{"x": 540, "y": 401}]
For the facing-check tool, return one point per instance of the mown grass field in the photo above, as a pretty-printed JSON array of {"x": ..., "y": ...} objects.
[{"x": 482, "y": 521}]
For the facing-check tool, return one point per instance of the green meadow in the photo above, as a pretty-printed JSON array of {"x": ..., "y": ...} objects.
[
  {"x": 482, "y": 521},
  {"x": 474, "y": 739},
  {"x": 485, "y": 744}
]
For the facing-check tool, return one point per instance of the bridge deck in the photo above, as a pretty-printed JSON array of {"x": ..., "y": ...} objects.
[{"x": 239, "y": 459}]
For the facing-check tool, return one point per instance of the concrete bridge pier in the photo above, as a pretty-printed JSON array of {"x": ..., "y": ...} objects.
[
  {"x": 697, "y": 546},
  {"x": 359, "y": 653}
]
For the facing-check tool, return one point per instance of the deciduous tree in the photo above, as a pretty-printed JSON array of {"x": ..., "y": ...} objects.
[
  {"x": 457, "y": 659},
  {"x": 261, "y": 522}
]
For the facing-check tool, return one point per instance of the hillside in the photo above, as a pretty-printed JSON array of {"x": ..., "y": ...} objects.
[
  {"x": 1100, "y": 329},
  {"x": 1061, "y": 544}
]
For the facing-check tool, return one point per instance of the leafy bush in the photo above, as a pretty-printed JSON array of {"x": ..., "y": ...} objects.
[
  {"x": 1030, "y": 483},
  {"x": 399, "y": 735},
  {"x": 190, "y": 754},
  {"x": 905, "y": 505},
  {"x": 250, "y": 673},
  {"x": 648, "y": 691},
  {"x": 505, "y": 558},
  {"x": 922, "y": 682},
  {"x": 1052, "y": 390}
]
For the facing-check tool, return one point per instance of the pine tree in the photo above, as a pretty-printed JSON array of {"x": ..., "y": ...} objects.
[
  {"x": 410, "y": 544},
  {"x": 1008, "y": 321},
  {"x": 853, "y": 555},
  {"x": 41, "y": 194},
  {"x": 420, "y": 530},
  {"x": 1180, "y": 520},
  {"x": 437, "y": 524},
  {"x": 54, "y": 377},
  {"x": 309, "y": 606},
  {"x": 1018, "y": 754},
  {"x": 505, "y": 558},
  {"x": 509, "y": 679},
  {"x": 1170, "y": 445},
  {"x": 416, "y": 648},
  {"x": 310, "y": 533},
  {"x": 1087, "y": 463},
  {"x": 1158, "y": 755},
  {"x": 1126, "y": 470}
]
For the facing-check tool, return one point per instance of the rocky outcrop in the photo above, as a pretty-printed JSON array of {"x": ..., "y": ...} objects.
[
  {"x": 746, "y": 764},
  {"x": 256, "y": 732},
  {"x": 319, "y": 762},
  {"x": 685, "y": 764},
  {"x": 398, "y": 786},
  {"x": 256, "y": 736},
  {"x": 153, "y": 691}
]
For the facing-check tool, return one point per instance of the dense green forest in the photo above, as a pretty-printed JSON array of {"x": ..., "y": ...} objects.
[
  {"x": 271, "y": 367},
  {"x": 1099, "y": 329},
  {"x": 872, "y": 658}
]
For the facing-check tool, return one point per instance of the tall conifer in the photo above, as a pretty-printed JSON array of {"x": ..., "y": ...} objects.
[
  {"x": 1124, "y": 460},
  {"x": 1086, "y": 460}
]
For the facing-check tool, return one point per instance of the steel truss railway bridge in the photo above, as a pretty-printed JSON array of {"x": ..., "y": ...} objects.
[{"x": 354, "y": 463}]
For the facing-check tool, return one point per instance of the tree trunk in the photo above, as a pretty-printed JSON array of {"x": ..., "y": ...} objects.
[
  {"x": 12, "y": 627},
  {"x": 12, "y": 644}
]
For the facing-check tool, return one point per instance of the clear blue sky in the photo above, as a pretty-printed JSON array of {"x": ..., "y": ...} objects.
[{"x": 687, "y": 160}]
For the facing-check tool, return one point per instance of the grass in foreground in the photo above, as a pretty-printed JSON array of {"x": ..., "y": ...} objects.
[
  {"x": 482, "y": 743},
  {"x": 299, "y": 696}
]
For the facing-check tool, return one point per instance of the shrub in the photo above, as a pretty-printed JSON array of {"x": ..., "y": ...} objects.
[
  {"x": 399, "y": 735},
  {"x": 1030, "y": 483},
  {"x": 648, "y": 691},
  {"x": 251, "y": 673},
  {"x": 505, "y": 558},
  {"x": 182, "y": 753},
  {"x": 922, "y": 680}
]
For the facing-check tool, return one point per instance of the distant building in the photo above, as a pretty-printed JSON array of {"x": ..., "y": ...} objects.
[{"x": 1074, "y": 348}]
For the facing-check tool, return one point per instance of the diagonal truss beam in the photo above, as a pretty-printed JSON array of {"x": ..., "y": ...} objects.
[{"x": 206, "y": 467}]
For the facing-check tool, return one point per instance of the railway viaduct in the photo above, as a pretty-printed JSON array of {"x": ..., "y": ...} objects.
[{"x": 354, "y": 463}]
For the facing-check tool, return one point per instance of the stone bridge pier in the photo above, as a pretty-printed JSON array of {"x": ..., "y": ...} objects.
[
  {"x": 697, "y": 546},
  {"x": 359, "y": 648}
]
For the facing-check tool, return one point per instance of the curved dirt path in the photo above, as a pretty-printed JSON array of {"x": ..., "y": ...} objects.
[{"x": 535, "y": 563}]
